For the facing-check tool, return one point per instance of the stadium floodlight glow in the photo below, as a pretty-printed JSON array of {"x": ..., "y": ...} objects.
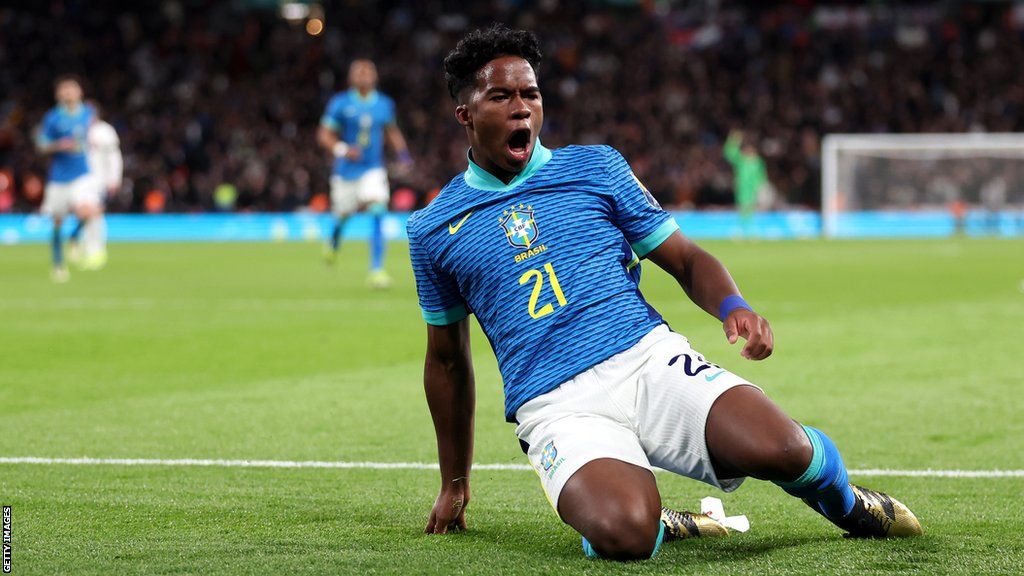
[
  {"x": 898, "y": 176},
  {"x": 314, "y": 26},
  {"x": 294, "y": 11}
]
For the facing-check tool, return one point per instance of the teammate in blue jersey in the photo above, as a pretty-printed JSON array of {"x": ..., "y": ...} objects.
[
  {"x": 70, "y": 187},
  {"x": 353, "y": 128},
  {"x": 544, "y": 248}
]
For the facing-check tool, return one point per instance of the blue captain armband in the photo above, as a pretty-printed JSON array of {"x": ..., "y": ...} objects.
[{"x": 731, "y": 303}]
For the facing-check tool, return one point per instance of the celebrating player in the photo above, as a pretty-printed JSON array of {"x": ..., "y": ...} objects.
[
  {"x": 107, "y": 168},
  {"x": 353, "y": 129},
  {"x": 71, "y": 187},
  {"x": 544, "y": 247}
]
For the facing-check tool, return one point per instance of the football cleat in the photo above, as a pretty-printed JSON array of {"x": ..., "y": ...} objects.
[
  {"x": 74, "y": 252},
  {"x": 60, "y": 274},
  {"x": 681, "y": 525},
  {"x": 329, "y": 254},
  {"x": 875, "y": 515},
  {"x": 378, "y": 280},
  {"x": 94, "y": 261}
]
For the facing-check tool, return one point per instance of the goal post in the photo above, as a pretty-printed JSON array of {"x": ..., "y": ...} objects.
[{"x": 922, "y": 184}]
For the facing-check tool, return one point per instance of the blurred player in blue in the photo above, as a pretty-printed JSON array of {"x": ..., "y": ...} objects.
[
  {"x": 353, "y": 128},
  {"x": 71, "y": 188},
  {"x": 544, "y": 248}
]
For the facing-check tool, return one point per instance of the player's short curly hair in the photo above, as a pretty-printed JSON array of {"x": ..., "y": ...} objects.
[{"x": 481, "y": 46}]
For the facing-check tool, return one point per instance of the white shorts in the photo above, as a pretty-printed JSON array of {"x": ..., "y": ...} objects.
[
  {"x": 348, "y": 196},
  {"x": 61, "y": 198},
  {"x": 647, "y": 406}
]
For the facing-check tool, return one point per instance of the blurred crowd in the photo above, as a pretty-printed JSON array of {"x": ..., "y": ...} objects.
[{"x": 217, "y": 104}]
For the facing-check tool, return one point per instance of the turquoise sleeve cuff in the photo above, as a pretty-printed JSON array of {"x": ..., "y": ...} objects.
[
  {"x": 445, "y": 317},
  {"x": 329, "y": 123},
  {"x": 654, "y": 239}
]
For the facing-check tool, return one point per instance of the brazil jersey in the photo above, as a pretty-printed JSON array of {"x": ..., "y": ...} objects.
[
  {"x": 359, "y": 122},
  {"x": 58, "y": 124},
  {"x": 548, "y": 263}
]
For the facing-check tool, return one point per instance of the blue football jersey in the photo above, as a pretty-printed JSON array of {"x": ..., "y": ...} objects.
[
  {"x": 60, "y": 123},
  {"x": 548, "y": 263},
  {"x": 359, "y": 122}
]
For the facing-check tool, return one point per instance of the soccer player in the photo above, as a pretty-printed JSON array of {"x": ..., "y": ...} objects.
[
  {"x": 107, "y": 167},
  {"x": 750, "y": 176},
  {"x": 353, "y": 129},
  {"x": 70, "y": 188},
  {"x": 544, "y": 247}
]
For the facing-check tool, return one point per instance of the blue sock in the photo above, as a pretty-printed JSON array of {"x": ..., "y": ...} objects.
[
  {"x": 339, "y": 225},
  {"x": 377, "y": 243},
  {"x": 825, "y": 481},
  {"x": 589, "y": 551},
  {"x": 77, "y": 230},
  {"x": 57, "y": 247}
]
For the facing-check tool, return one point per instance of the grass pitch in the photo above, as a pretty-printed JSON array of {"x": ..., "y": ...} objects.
[{"x": 908, "y": 353}]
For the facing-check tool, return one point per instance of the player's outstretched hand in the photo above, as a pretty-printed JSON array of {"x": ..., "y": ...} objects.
[
  {"x": 742, "y": 323},
  {"x": 449, "y": 511}
]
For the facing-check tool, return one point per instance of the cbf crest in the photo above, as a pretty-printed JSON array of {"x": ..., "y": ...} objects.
[
  {"x": 547, "y": 457},
  {"x": 520, "y": 227}
]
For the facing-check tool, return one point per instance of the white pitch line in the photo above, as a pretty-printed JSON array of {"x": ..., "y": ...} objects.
[
  {"x": 929, "y": 473},
  {"x": 245, "y": 463},
  {"x": 926, "y": 473}
]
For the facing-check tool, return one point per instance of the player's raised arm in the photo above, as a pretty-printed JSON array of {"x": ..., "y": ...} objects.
[
  {"x": 710, "y": 286},
  {"x": 451, "y": 396}
]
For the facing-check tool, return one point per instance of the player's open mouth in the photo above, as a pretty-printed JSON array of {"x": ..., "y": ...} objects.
[{"x": 519, "y": 144}]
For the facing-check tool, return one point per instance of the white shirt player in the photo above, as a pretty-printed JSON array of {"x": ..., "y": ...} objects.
[{"x": 104, "y": 155}]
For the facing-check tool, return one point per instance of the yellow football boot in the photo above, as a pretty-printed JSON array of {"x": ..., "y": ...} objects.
[{"x": 681, "y": 525}]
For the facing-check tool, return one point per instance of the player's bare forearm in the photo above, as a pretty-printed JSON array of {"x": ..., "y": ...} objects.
[
  {"x": 327, "y": 138},
  {"x": 708, "y": 283},
  {"x": 330, "y": 141},
  {"x": 62, "y": 145},
  {"x": 706, "y": 280},
  {"x": 451, "y": 396},
  {"x": 397, "y": 142}
]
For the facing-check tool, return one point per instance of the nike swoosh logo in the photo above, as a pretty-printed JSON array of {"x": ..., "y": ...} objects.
[
  {"x": 454, "y": 229},
  {"x": 710, "y": 377}
]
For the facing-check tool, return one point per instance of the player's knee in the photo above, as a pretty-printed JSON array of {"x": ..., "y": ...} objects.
[
  {"x": 785, "y": 456},
  {"x": 628, "y": 534}
]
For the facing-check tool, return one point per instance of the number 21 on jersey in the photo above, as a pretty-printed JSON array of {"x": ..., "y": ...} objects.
[{"x": 538, "y": 276}]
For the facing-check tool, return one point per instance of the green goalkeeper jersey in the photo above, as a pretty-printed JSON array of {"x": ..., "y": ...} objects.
[{"x": 750, "y": 173}]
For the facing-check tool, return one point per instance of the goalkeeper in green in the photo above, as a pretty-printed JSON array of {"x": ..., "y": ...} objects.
[{"x": 750, "y": 176}]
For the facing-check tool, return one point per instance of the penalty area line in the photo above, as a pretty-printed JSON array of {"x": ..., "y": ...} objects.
[{"x": 343, "y": 465}]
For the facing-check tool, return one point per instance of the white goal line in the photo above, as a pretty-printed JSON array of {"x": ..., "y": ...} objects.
[{"x": 926, "y": 473}]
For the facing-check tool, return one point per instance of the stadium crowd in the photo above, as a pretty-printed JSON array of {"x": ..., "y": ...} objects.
[{"x": 217, "y": 106}]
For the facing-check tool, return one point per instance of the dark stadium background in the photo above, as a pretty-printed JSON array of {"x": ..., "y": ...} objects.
[{"x": 205, "y": 93}]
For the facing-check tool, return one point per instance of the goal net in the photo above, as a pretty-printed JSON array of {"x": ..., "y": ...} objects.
[{"x": 922, "y": 184}]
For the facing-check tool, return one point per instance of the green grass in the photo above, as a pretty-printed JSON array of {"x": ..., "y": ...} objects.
[{"x": 907, "y": 353}]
